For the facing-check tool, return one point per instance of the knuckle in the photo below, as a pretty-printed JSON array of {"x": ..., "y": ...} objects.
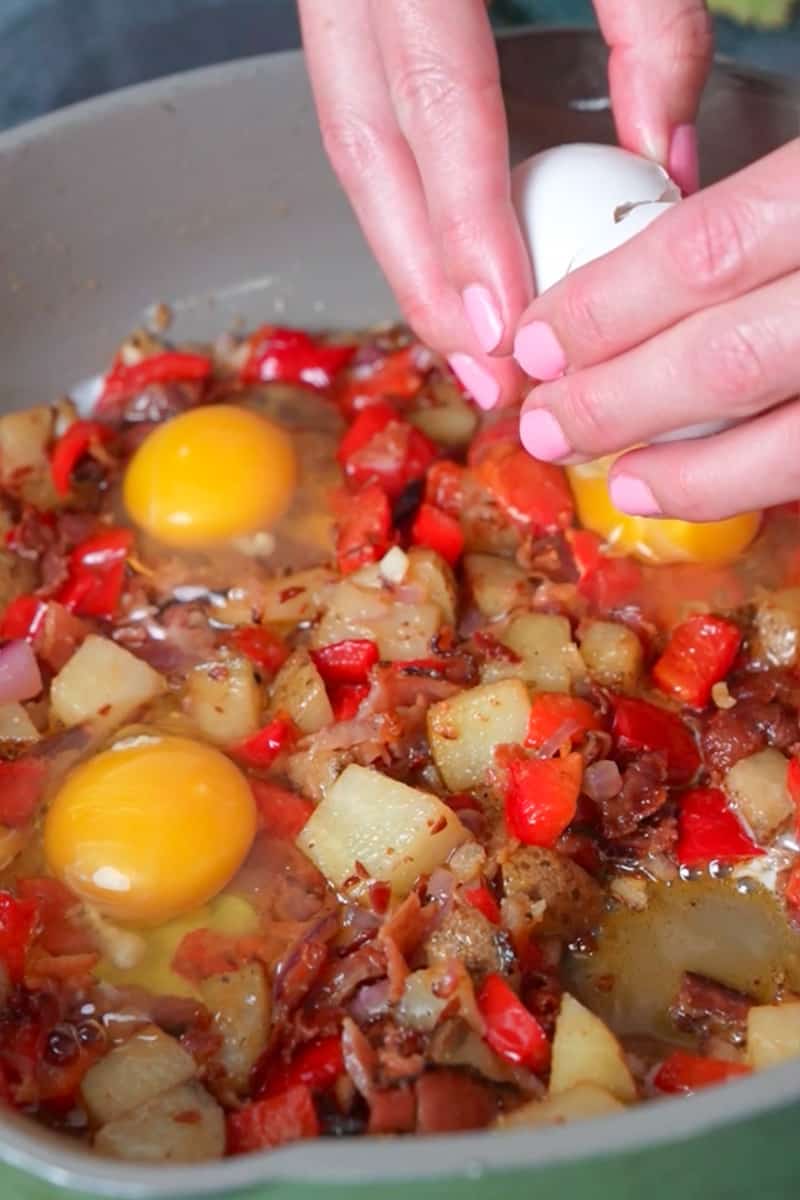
[
  {"x": 353, "y": 145},
  {"x": 583, "y": 414},
  {"x": 686, "y": 495},
  {"x": 734, "y": 359},
  {"x": 711, "y": 256},
  {"x": 582, "y": 316},
  {"x": 424, "y": 91},
  {"x": 690, "y": 32}
]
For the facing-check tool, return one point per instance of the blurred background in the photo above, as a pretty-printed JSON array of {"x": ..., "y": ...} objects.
[{"x": 55, "y": 52}]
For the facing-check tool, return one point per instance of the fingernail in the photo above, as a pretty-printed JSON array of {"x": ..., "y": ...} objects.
[
  {"x": 684, "y": 164},
  {"x": 483, "y": 316},
  {"x": 539, "y": 353},
  {"x": 542, "y": 436},
  {"x": 632, "y": 495},
  {"x": 482, "y": 386}
]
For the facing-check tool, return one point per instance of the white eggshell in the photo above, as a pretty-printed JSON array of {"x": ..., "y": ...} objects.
[{"x": 634, "y": 221}]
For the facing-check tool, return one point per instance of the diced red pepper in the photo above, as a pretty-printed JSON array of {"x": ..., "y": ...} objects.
[
  {"x": 348, "y": 661},
  {"x": 70, "y": 448},
  {"x": 438, "y": 531},
  {"x": 499, "y": 436},
  {"x": 684, "y": 1072},
  {"x": 273, "y": 1122},
  {"x": 793, "y": 787},
  {"x": 170, "y": 367},
  {"x": 261, "y": 646},
  {"x": 700, "y": 652},
  {"x": 282, "y": 813},
  {"x": 371, "y": 421},
  {"x": 346, "y": 699},
  {"x": 97, "y": 574},
  {"x": 21, "y": 784},
  {"x": 23, "y": 618},
  {"x": 481, "y": 898},
  {"x": 380, "y": 447},
  {"x": 606, "y": 583},
  {"x": 202, "y": 953},
  {"x": 541, "y": 797},
  {"x": 792, "y": 892},
  {"x": 364, "y": 527},
  {"x": 291, "y": 356},
  {"x": 535, "y": 495},
  {"x": 709, "y": 830},
  {"x": 444, "y": 486},
  {"x": 639, "y": 725},
  {"x": 396, "y": 376},
  {"x": 61, "y": 932},
  {"x": 315, "y": 1066},
  {"x": 511, "y": 1030},
  {"x": 263, "y": 747},
  {"x": 552, "y": 711},
  {"x": 18, "y": 920}
]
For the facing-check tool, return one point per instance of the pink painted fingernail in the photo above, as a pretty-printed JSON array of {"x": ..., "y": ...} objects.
[
  {"x": 479, "y": 383},
  {"x": 632, "y": 495},
  {"x": 542, "y": 436},
  {"x": 539, "y": 352},
  {"x": 683, "y": 163},
  {"x": 483, "y": 316}
]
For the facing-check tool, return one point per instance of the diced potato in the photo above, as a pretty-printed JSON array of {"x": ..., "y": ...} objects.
[
  {"x": 16, "y": 725},
  {"x": 183, "y": 1125},
  {"x": 777, "y": 628},
  {"x": 451, "y": 426},
  {"x": 548, "y": 657},
  {"x": 429, "y": 570},
  {"x": 299, "y": 692},
  {"x": 396, "y": 833},
  {"x": 757, "y": 789},
  {"x": 612, "y": 654},
  {"x": 24, "y": 461},
  {"x": 402, "y": 631},
  {"x": 103, "y": 682},
  {"x": 149, "y": 1063},
  {"x": 773, "y": 1034},
  {"x": 465, "y": 731},
  {"x": 579, "y": 1103},
  {"x": 419, "y": 1006},
  {"x": 586, "y": 1051},
  {"x": 497, "y": 585},
  {"x": 284, "y": 601},
  {"x": 240, "y": 1006},
  {"x": 224, "y": 700}
]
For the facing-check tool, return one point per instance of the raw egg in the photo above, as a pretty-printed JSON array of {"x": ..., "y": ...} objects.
[
  {"x": 210, "y": 475},
  {"x": 150, "y": 829}
]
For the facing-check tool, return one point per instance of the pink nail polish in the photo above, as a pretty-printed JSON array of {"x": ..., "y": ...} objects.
[
  {"x": 632, "y": 495},
  {"x": 542, "y": 436},
  {"x": 479, "y": 383},
  {"x": 684, "y": 164},
  {"x": 483, "y": 316},
  {"x": 539, "y": 352}
]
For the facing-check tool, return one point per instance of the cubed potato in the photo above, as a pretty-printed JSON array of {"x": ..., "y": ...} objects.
[
  {"x": 24, "y": 462},
  {"x": 283, "y": 601},
  {"x": 240, "y": 1006},
  {"x": 396, "y": 833},
  {"x": 298, "y": 692},
  {"x": 451, "y": 426},
  {"x": 773, "y": 1034},
  {"x": 586, "y": 1051},
  {"x": 497, "y": 585},
  {"x": 579, "y": 1103},
  {"x": 16, "y": 725},
  {"x": 402, "y": 631},
  {"x": 547, "y": 656},
  {"x": 612, "y": 654},
  {"x": 148, "y": 1064},
  {"x": 224, "y": 700},
  {"x": 465, "y": 731},
  {"x": 104, "y": 683},
  {"x": 430, "y": 572},
  {"x": 419, "y": 1006},
  {"x": 777, "y": 628},
  {"x": 183, "y": 1125},
  {"x": 757, "y": 789}
]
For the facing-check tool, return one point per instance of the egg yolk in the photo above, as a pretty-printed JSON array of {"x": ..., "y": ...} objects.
[
  {"x": 654, "y": 540},
  {"x": 210, "y": 475},
  {"x": 151, "y": 828}
]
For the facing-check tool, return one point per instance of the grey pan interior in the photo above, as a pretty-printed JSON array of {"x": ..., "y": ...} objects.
[{"x": 210, "y": 191}]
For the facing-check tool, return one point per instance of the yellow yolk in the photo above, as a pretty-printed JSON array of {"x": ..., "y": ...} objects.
[
  {"x": 654, "y": 540},
  {"x": 150, "y": 829},
  {"x": 210, "y": 475}
]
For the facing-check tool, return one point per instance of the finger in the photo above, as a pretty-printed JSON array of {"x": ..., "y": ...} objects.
[
  {"x": 729, "y": 239},
  {"x": 753, "y": 466},
  {"x": 719, "y": 366},
  {"x": 444, "y": 81},
  {"x": 660, "y": 59}
]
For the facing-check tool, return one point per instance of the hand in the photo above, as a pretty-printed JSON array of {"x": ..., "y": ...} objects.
[
  {"x": 695, "y": 320},
  {"x": 412, "y": 117}
]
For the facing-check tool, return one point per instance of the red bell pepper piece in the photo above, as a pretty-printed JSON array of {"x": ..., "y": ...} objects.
[
  {"x": 683, "y": 1072},
  {"x": 499, "y": 436},
  {"x": 792, "y": 892},
  {"x": 261, "y": 646},
  {"x": 511, "y": 1030},
  {"x": 70, "y": 448},
  {"x": 170, "y": 367},
  {"x": 396, "y": 376},
  {"x": 542, "y": 797},
  {"x": 535, "y": 495},
  {"x": 606, "y": 583},
  {"x": 793, "y": 787},
  {"x": 381, "y": 447},
  {"x": 263, "y": 747},
  {"x": 23, "y": 618},
  {"x": 21, "y": 784},
  {"x": 700, "y": 653},
  {"x": 364, "y": 527},
  {"x": 438, "y": 531},
  {"x": 552, "y": 711},
  {"x": 315, "y": 1066},
  {"x": 61, "y": 931},
  {"x": 481, "y": 898},
  {"x": 97, "y": 574},
  {"x": 708, "y": 830},
  {"x": 282, "y": 813},
  {"x": 444, "y": 487},
  {"x": 346, "y": 699},
  {"x": 639, "y": 725},
  {"x": 273, "y": 1122},
  {"x": 292, "y": 356},
  {"x": 18, "y": 921},
  {"x": 348, "y": 661}
]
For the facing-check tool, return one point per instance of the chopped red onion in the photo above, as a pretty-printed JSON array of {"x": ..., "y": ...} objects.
[
  {"x": 440, "y": 885},
  {"x": 371, "y": 1000},
  {"x": 556, "y": 740},
  {"x": 602, "y": 780},
  {"x": 20, "y": 678}
]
